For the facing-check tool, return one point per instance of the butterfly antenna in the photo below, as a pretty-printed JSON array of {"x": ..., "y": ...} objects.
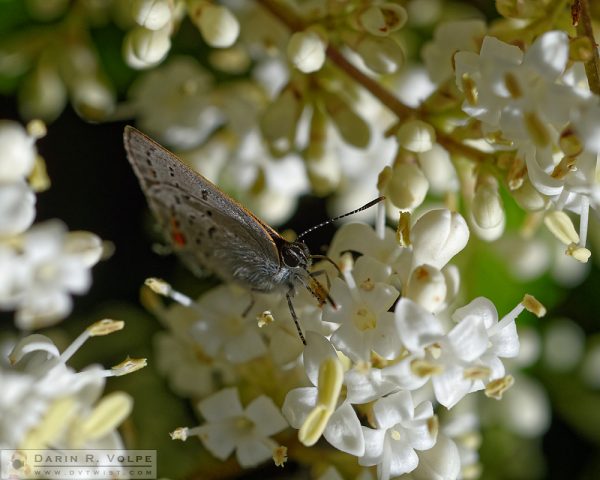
[{"x": 327, "y": 222}]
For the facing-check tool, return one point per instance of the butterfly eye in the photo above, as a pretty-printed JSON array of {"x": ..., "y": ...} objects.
[{"x": 293, "y": 256}]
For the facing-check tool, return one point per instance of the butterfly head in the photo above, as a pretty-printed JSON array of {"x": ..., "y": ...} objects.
[{"x": 295, "y": 256}]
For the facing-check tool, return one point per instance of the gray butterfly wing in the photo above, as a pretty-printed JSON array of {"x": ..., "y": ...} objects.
[{"x": 208, "y": 229}]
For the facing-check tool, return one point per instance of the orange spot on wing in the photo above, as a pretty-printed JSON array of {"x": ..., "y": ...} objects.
[{"x": 177, "y": 235}]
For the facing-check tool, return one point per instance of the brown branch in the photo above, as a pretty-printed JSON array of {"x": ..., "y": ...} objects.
[{"x": 583, "y": 22}]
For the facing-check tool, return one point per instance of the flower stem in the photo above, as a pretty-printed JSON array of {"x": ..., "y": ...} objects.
[{"x": 583, "y": 22}]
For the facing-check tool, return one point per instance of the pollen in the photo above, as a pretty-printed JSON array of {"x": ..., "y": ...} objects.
[
  {"x": 512, "y": 85},
  {"x": 477, "y": 373},
  {"x": 470, "y": 89},
  {"x": 367, "y": 285},
  {"x": 496, "y": 388},
  {"x": 423, "y": 368},
  {"x": 537, "y": 129},
  {"x": 364, "y": 319},
  {"x": 280, "y": 456}
]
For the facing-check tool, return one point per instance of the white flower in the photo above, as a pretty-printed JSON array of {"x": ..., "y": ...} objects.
[
  {"x": 52, "y": 264},
  {"x": 231, "y": 427},
  {"x": 152, "y": 14},
  {"x": 461, "y": 425},
  {"x": 401, "y": 429},
  {"x": 448, "y": 38},
  {"x": 173, "y": 103},
  {"x": 17, "y": 208},
  {"x": 528, "y": 103},
  {"x": 362, "y": 311},
  {"x": 442, "y": 462},
  {"x": 471, "y": 351},
  {"x": 216, "y": 23},
  {"x": 416, "y": 136},
  {"x": 190, "y": 374},
  {"x": 48, "y": 404},
  {"x": 407, "y": 187},
  {"x": 222, "y": 329},
  {"x": 437, "y": 236},
  {"x": 17, "y": 152},
  {"x": 316, "y": 410},
  {"x": 145, "y": 48},
  {"x": 362, "y": 238},
  {"x": 306, "y": 51},
  {"x": 438, "y": 169},
  {"x": 464, "y": 360}
]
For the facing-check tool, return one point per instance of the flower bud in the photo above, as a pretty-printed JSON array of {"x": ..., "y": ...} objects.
[
  {"x": 438, "y": 169},
  {"x": 151, "y": 14},
  {"x": 92, "y": 98},
  {"x": 280, "y": 119},
  {"x": 381, "y": 54},
  {"x": 324, "y": 173},
  {"x": 489, "y": 234},
  {"x": 487, "y": 208},
  {"x": 306, "y": 51},
  {"x": 43, "y": 94},
  {"x": 427, "y": 287},
  {"x": 351, "y": 126},
  {"x": 452, "y": 280},
  {"x": 143, "y": 48},
  {"x": 416, "y": 136},
  {"x": 86, "y": 246},
  {"x": 528, "y": 197},
  {"x": 407, "y": 187},
  {"x": 218, "y": 26},
  {"x": 437, "y": 236},
  {"x": 381, "y": 20},
  {"x": 17, "y": 152},
  {"x": 17, "y": 208}
]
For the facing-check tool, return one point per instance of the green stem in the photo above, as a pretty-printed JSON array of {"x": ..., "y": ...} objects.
[{"x": 584, "y": 29}]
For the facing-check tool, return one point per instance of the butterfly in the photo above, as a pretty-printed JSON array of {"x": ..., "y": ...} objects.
[{"x": 211, "y": 231}]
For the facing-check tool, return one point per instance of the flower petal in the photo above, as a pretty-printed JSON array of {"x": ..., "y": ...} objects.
[
  {"x": 218, "y": 438},
  {"x": 416, "y": 326},
  {"x": 344, "y": 431},
  {"x": 469, "y": 339},
  {"x": 223, "y": 404},
  {"x": 317, "y": 349},
  {"x": 298, "y": 403},
  {"x": 266, "y": 416},
  {"x": 251, "y": 451}
]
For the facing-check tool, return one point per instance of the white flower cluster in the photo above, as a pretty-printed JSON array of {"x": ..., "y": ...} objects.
[
  {"x": 375, "y": 353},
  {"x": 48, "y": 405},
  {"x": 531, "y": 105},
  {"x": 40, "y": 266}
]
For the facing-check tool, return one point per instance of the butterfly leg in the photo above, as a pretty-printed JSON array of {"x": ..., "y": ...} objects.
[
  {"x": 321, "y": 289},
  {"x": 316, "y": 273},
  {"x": 295, "y": 317}
]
